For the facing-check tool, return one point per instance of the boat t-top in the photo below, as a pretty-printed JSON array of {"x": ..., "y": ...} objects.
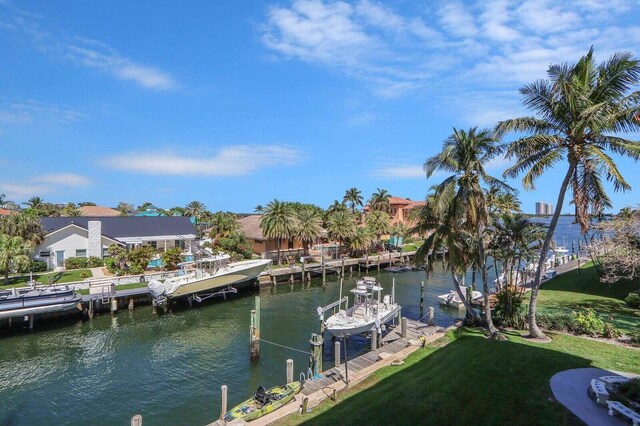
[
  {"x": 369, "y": 311},
  {"x": 207, "y": 277},
  {"x": 452, "y": 299}
]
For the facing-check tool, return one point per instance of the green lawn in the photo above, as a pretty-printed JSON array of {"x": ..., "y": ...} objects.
[
  {"x": 471, "y": 380},
  {"x": 581, "y": 289},
  {"x": 69, "y": 276}
]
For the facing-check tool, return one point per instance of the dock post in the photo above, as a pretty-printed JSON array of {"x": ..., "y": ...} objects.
[
  {"x": 302, "y": 276},
  {"x": 342, "y": 272},
  {"x": 378, "y": 263},
  {"x": 403, "y": 326},
  {"x": 130, "y": 303},
  {"x": 291, "y": 279},
  {"x": 350, "y": 270},
  {"x": 336, "y": 353},
  {"x": 430, "y": 316},
  {"x": 31, "y": 322},
  {"x": 421, "y": 295},
  {"x": 255, "y": 330},
  {"x": 114, "y": 305},
  {"x": 223, "y": 406},
  {"x": 90, "y": 311},
  {"x": 374, "y": 339},
  {"x": 289, "y": 371},
  {"x": 136, "y": 420},
  {"x": 316, "y": 343},
  {"x": 305, "y": 403}
]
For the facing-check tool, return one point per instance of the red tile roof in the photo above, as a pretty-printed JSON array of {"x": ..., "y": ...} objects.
[{"x": 4, "y": 212}]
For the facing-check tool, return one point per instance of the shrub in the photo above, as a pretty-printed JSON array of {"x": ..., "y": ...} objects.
[
  {"x": 76, "y": 263},
  {"x": 559, "y": 322},
  {"x": 633, "y": 300},
  {"x": 171, "y": 257},
  {"x": 508, "y": 308},
  {"x": 84, "y": 275},
  {"x": 95, "y": 262},
  {"x": 471, "y": 321},
  {"x": 610, "y": 332},
  {"x": 587, "y": 322},
  {"x": 630, "y": 390},
  {"x": 111, "y": 265},
  {"x": 34, "y": 266},
  {"x": 634, "y": 339}
]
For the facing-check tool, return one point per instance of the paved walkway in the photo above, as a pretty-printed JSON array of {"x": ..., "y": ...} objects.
[
  {"x": 570, "y": 387},
  {"x": 97, "y": 272}
]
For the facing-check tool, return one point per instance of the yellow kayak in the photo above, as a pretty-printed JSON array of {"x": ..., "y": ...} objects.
[{"x": 263, "y": 402}]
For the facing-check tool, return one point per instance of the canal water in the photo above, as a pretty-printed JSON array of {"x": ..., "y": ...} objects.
[{"x": 169, "y": 367}]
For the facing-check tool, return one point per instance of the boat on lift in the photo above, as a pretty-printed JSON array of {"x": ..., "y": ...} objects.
[
  {"x": 207, "y": 277},
  {"x": 18, "y": 302},
  {"x": 369, "y": 311},
  {"x": 453, "y": 300}
]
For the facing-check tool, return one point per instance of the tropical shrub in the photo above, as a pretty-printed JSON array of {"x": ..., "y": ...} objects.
[
  {"x": 76, "y": 263},
  {"x": 34, "y": 266},
  {"x": 587, "y": 322},
  {"x": 559, "y": 322},
  {"x": 630, "y": 390},
  {"x": 110, "y": 263},
  {"x": 634, "y": 339},
  {"x": 171, "y": 257},
  {"x": 633, "y": 300},
  {"x": 610, "y": 332},
  {"x": 509, "y": 311},
  {"x": 138, "y": 259},
  {"x": 84, "y": 275},
  {"x": 95, "y": 262}
]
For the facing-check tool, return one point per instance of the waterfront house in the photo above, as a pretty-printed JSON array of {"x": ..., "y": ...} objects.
[
  {"x": 86, "y": 236},
  {"x": 98, "y": 211},
  {"x": 399, "y": 209},
  {"x": 266, "y": 247}
]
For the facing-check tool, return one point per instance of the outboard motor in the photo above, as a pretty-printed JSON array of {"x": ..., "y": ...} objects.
[{"x": 158, "y": 292}]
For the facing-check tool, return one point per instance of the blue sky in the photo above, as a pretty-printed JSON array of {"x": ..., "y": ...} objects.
[{"x": 237, "y": 103}]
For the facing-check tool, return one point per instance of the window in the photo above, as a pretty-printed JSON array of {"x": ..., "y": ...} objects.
[
  {"x": 44, "y": 254},
  {"x": 153, "y": 244},
  {"x": 81, "y": 253},
  {"x": 105, "y": 252},
  {"x": 393, "y": 210}
]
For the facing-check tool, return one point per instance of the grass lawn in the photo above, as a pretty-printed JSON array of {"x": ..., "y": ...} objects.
[
  {"x": 466, "y": 379},
  {"x": 575, "y": 290},
  {"x": 69, "y": 276}
]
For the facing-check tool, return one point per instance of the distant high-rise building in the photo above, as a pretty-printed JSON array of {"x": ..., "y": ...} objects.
[{"x": 544, "y": 208}]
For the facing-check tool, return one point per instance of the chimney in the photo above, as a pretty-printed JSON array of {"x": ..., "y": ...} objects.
[{"x": 95, "y": 238}]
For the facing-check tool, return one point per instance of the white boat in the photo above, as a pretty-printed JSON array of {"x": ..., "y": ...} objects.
[
  {"x": 367, "y": 313},
  {"x": 210, "y": 276},
  {"x": 30, "y": 301},
  {"x": 452, "y": 299}
]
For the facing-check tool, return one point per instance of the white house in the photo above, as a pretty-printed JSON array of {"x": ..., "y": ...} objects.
[{"x": 91, "y": 236}]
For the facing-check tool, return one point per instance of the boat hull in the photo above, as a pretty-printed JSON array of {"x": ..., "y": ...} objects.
[
  {"x": 233, "y": 274},
  {"x": 251, "y": 409},
  {"x": 38, "y": 302},
  {"x": 359, "y": 328}
]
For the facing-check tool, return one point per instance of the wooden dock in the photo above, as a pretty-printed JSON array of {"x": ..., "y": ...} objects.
[{"x": 394, "y": 347}]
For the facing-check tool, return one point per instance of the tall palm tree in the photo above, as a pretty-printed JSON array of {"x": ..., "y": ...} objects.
[
  {"x": 462, "y": 194},
  {"x": 360, "y": 241},
  {"x": 278, "y": 222},
  {"x": 24, "y": 225},
  {"x": 259, "y": 208},
  {"x": 223, "y": 225},
  {"x": 578, "y": 110},
  {"x": 36, "y": 205},
  {"x": 71, "y": 210},
  {"x": 341, "y": 225},
  {"x": 379, "y": 223},
  {"x": 308, "y": 226},
  {"x": 380, "y": 200},
  {"x": 353, "y": 197},
  {"x": 195, "y": 209},
  {"x": 14, "y": 254},
  {"x": 144, "y": 206}
]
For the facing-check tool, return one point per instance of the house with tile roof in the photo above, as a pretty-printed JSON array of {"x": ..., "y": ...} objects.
[
  {"x": 399, "y": 209},
  {"x": 85, "y": 236}
]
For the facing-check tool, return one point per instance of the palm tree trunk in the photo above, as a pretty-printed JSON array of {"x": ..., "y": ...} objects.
[
  {"x": 278, "y": 242},
  {"x": 485, "y": 282},
  {"x": 495, "y": 268},
  {"x": 463, "y": 298},
  {"x": 534, "y": 330}
]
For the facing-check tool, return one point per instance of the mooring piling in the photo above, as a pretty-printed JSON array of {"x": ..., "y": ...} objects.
[
  {"x": 136, "y": 420},
  {"x": 336, "y": 353},
  {"x": 403, "y": 327},
  {"x": 374, "y": 339},
  {"x": 223, "y": 405},
  {"x": 254, "y": 330},
  {"x": 430, "y": 315},
  {"x": 289, "y": 371},
  {"x": 316, "y": 344},
  {"x": 421, "y": 296}
]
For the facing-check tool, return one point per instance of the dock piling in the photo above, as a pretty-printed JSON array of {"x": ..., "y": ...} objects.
[
  {"x": 289, "y": 371},
  {"x": 254, "y": 330},
  {"x": 316, "y": 343},
  {"x": 336, "y": 353},
  {"x": 403, "y": 327},
  {"x": 136, "y": 420},
  {"x": 305, "y": 404},
  {"x": 430, "y": 316},
  {"x": 114, "y": 305},
  {"x": 223, "y": 406},
  {"x": 130, "y": 303},
  {"x": 31, "y": 322},
  {"x": 421, "y": 295},
  {"x": 374, "y": 339}
]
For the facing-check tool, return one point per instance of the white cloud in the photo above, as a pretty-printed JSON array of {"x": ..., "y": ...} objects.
[
  {"x": 235, "y": 160},
  {"x": 457, "y": 20},
  {"x": 65, "y": 179},
  {"x": 23, "y": 111},
  {"x": 540, "y": 17},
  {"x": 15, "y": 190},
  {"x": 83, "y": 51},
  {"x": 399, "y": 172}
]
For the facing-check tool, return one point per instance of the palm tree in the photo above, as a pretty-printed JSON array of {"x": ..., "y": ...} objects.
[
  {"x": 341, "y": 225},
  {"x": 308, "y": 226},
  {"x": 71, "y": 210},
  {"x": 464, "y": 154},
  {"x": 360, "y": 241},
  {"x": 3, "y": 198},
  {"x": 195, "y": 209},
  {"x": 443, "y": 230},
  {"x": 36, "y": 205},
  {"x": 124, "y": 208},
  {"x": 144, "y": 206},
  {"x": 379, "y": 223},
  {"x": 24, "y": 225},
  {"x": 278, "y": 222},
  {"x": 259, "y": 208},
  {"x": 176, "y": 211},
  {"x": 380, "y": 200},
  {"x": 14, "y": 254},
  {"x": 353, "y": 197},
  {"x": 578, "y": 109},
  {"x": 223, "y": 225}
]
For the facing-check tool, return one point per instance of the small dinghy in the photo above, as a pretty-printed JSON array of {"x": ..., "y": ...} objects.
[{"x": 263, "y": 402}]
